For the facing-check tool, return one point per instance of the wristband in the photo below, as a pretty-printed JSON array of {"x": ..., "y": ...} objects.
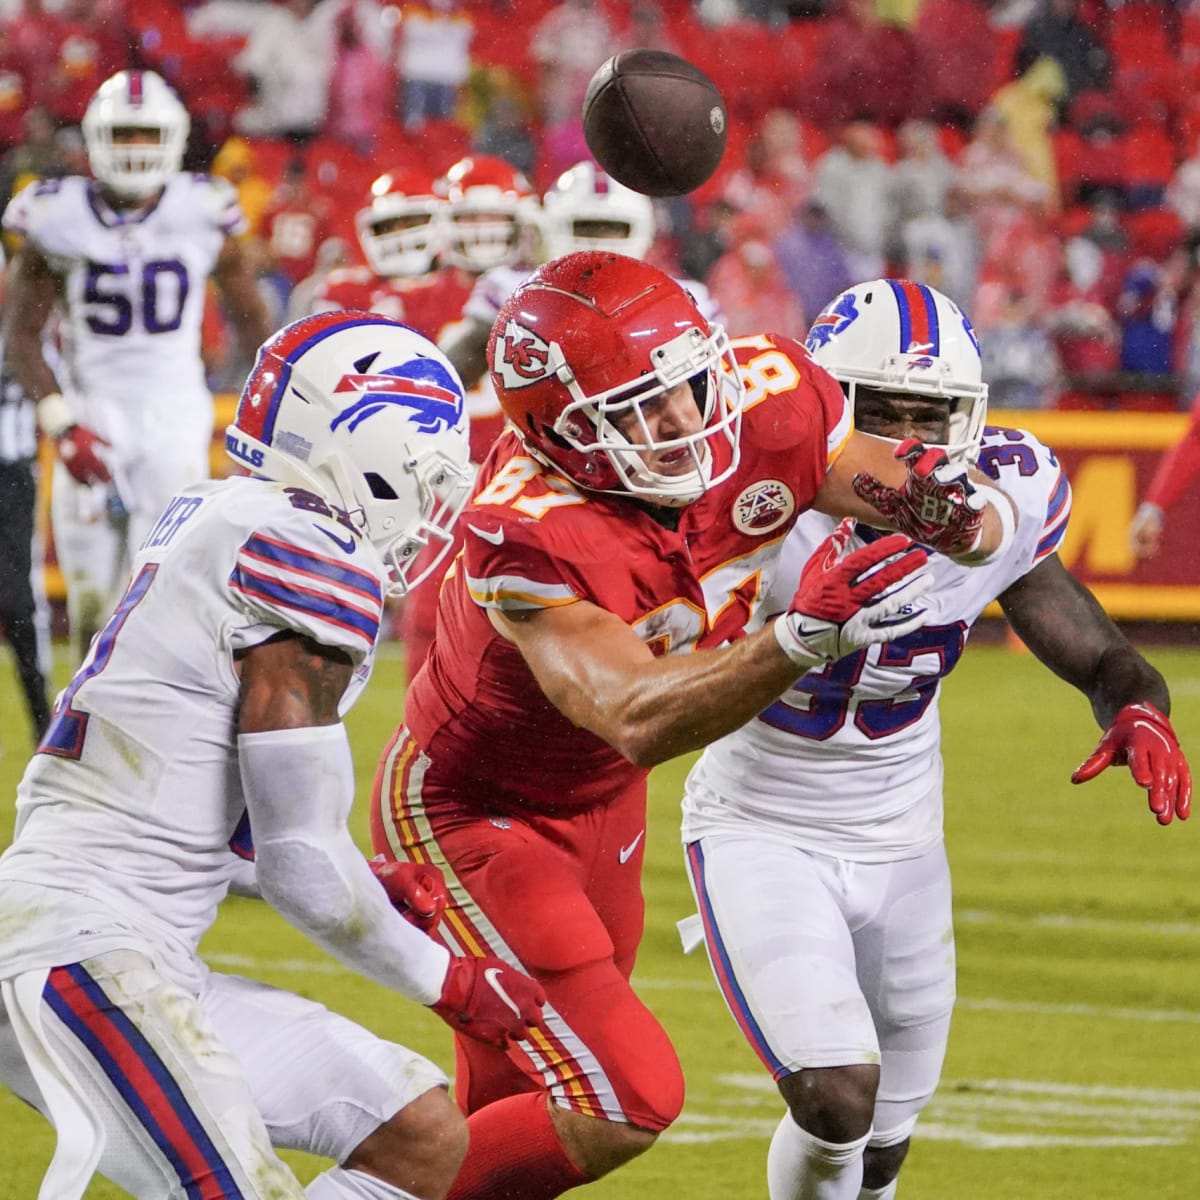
[
  {"x": 54, "y": 415},
  {"x": 1008, "y": 523}
]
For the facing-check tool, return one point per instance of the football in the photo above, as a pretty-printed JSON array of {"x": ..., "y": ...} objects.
[{"x": 654, "y": 122}]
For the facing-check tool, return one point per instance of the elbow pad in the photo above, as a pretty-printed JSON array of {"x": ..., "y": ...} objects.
[{"x": 299, "y": 788}]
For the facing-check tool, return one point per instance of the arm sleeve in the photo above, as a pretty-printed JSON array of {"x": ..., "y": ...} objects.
[
  {"x": 299, "y": 787},
  {"x": 1178, "y": 467}
]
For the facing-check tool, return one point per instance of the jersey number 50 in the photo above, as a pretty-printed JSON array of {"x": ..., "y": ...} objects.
[{"x": 113, "y": 296}]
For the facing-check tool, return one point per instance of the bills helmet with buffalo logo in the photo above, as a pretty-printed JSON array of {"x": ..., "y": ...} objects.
[
  {"x": 895, "y": 336},
  {"x": 585, "y": 346},
  {"x": 368, "y": 414},
  {"x": 135, "y": 130}
]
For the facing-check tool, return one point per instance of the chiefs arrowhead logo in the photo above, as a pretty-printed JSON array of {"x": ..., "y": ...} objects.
[{"x": 521, "y": 356}]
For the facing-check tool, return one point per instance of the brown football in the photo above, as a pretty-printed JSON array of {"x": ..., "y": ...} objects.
[{"x": 654, "y": 122}]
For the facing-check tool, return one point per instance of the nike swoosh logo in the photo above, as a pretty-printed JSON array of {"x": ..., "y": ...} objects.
[
  {"x": 626, "y": 852},
  {"x": 492, "y": 979},
  {"x": 496, "y": 538},
  {"x": 348, "y": 544}
]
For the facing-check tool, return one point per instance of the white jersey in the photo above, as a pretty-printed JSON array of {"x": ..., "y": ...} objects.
[
  {"x": 132, "y": 810},
  {"x": 134, "y": 286},
  {"x": 848, "y": 761}
]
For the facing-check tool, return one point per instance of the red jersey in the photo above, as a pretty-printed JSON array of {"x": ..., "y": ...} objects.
[
  {"x": 533, "y": 540},
  {"x": 426, "y": 303}
]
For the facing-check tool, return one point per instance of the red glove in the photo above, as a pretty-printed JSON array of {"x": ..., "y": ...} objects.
[
  {"x": 848, "y": 600},
  {"x": 416, "y": 891},
  {"x": 938, "y": 505},
  {"x": 1142, "y": 738},
  {"x": 489, "y": 1001},
  {"x": 82, "y": 453}
]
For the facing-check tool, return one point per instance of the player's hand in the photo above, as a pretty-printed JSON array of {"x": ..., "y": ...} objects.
[
  {"x": 850, "y": 599},
  {"x": 1142, "y": 738},
  {"x": 83, "y": 454},
  {"x": 486, "y": 999},
  {"x": 416, "y": 891},
  {"x": 1145, "y": 530},
  {"x": 938, "y": 504}
]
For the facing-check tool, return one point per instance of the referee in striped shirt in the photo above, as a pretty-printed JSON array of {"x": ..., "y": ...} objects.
[{"x": 23, "y": 616}]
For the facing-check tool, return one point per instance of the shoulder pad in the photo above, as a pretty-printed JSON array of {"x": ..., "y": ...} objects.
[{"x": 301, "y": 567}]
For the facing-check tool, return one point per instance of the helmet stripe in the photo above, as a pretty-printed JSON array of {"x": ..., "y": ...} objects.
[
  {"x": 258, "y": 420},
  {"x": 918, "y": 317},
  {"x": 136, "y": 94}
]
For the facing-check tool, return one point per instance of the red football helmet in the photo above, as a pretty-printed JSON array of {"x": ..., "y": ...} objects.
[
  {"x": 594, "y": 336},
  {"x": 491, "y": 210},
  {"x": 400, "y": 228}
]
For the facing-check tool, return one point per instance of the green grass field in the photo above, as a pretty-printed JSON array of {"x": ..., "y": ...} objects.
[{"x": 1073, "y": 1063}]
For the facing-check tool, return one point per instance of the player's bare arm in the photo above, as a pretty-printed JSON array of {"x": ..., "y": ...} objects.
[
  {"x": 465, "y": 345},
  {"x": 290, "y": 682},
  {"x": 235, "y": 280},
  {"x": 1063, "y": 624},
  {"x": 601, "y": 675},
  {"x": 875, "y": 457},
  {"x": 33, "y": 290}
]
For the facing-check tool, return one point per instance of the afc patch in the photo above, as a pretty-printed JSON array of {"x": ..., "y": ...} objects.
[{"x": 763, "y": 507}]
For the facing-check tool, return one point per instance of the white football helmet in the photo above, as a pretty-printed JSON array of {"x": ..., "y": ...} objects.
[
  {"x": 492, "y": 212},
  {"x": 894, "y": 335},
  {"x": 368, "y": 414},
  {"x": 400, "y": 228},
  {"x": 135, "y": 100},
  {"x": 585, "y": 209}
]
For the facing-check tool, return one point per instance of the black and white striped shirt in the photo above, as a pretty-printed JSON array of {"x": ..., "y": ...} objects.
[{"x": 18, "y": 421}]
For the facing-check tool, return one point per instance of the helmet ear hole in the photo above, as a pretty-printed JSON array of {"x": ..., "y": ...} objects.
[{"x": 380, "y": 488}]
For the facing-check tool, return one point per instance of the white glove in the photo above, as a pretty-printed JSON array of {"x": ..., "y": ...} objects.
[{"x": 851, "y": 599}]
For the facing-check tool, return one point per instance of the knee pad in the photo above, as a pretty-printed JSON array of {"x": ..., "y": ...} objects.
[{"x": 881, "y": 1139}]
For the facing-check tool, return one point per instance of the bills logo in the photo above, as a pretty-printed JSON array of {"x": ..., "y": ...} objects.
[
  {"x": 521, "y": 356},
  {"x": 832, "y": 321},
  {"x": 421, "y": 385},
  {"x": 240, "y": 449}
]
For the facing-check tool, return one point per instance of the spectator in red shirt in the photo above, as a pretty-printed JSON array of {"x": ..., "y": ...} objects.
[
  {"x": 748, "y": 284},
  {"x": 864, "y": 69},
  {"x": 1176, "y": 470},
  {"x": 954, "y": 86},
  {"x": 298, "y": 219}
]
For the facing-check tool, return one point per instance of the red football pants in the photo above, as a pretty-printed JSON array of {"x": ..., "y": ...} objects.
[{"x": 559, "y": 897}]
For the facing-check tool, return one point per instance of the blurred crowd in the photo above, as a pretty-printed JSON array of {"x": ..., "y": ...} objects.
[{"x": 1036, "y": 160}]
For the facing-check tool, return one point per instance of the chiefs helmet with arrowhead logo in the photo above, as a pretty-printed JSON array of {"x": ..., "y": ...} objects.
[
  {"x": 492, "y": 213},
  {"x": 594, "y": 336},
  {"x": 369, "y": 415},
  {"x": 400, "y": 228}
]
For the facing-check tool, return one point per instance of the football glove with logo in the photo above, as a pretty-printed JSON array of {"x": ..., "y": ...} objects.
[
  {"x": 1141, "y": 738},
  {"x": 486, "y": 999},
  {"x": 416, "y": 891},
  {"x": 937, "y": 506},
  {"x": 850, "y": 599}
]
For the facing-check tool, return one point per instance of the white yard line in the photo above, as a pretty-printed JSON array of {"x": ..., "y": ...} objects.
[
  {"x": 976, "y": 916},
  {"x": 301, "y": 966},
  {"x": 987, "y": 1114}
]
